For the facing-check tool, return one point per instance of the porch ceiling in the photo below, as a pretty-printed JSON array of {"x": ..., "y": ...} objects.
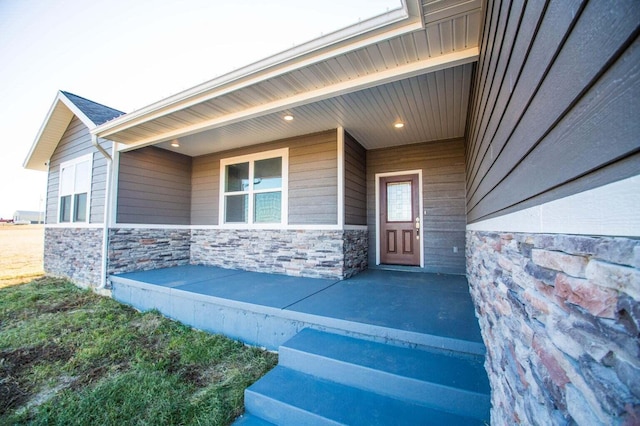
[
  {"x": 432, "y": 107},
  {"x": 419, "y": 73}
]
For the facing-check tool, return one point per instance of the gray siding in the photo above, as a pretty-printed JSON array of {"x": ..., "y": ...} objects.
[
  {"x": 355, "y": 184},
  {"x": 154, "y": 187},
  {"x": 313, "y": 178},
  {"x": 555, "y": 103},
  {"x": 76, "y": 142},
  {"x": 443, "y": 177}
]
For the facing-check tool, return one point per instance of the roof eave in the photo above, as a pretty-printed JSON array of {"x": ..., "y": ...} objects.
[
  {"x": 407, "y": 18},
  {"x": 53, "y": 127}
]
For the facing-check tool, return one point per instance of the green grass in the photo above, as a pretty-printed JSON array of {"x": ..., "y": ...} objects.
[{"x": 70, "y": 357}]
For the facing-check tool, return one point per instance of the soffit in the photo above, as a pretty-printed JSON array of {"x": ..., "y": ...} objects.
[
  {"x": 432, "y": 106},
  {"x": 346, "y": 82}
]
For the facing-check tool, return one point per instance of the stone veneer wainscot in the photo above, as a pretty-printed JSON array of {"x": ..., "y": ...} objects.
[
  {"x": 74, "y": 253},
  {"x": 304, "y": 253},
  {"x": 141, "y": 249},
  {"x": 560, "y": 317}
]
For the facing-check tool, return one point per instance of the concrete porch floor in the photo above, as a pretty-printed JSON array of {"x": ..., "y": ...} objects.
[{"x": 406, "y": 308}]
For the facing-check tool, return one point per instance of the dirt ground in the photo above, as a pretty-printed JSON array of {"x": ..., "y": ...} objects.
[{"x": 21, "y": 253}]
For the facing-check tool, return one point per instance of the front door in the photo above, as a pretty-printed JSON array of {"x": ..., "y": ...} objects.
[{"x": 400, "y": 220}]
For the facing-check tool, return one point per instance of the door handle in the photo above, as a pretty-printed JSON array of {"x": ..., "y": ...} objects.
[{"x": 417, "y": 228}]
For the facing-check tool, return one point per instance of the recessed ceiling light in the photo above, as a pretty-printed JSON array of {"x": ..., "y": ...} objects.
[
  {"x": 398, "y": 125},
  {"x": 175, "y": 143},
  {"x": 288, "y": 117}
]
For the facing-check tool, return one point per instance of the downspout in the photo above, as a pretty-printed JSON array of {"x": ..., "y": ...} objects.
[{"x": 107, "y": 213}]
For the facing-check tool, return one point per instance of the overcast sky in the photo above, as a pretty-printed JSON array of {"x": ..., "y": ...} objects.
[{"x": 127, "y": 54}]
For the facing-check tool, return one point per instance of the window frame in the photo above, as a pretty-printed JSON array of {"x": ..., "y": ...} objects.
[
  {"x": 282, "y": 153},
  {"x": 72, "y": 165}
]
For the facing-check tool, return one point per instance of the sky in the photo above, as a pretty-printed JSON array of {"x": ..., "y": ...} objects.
[{"x": 127, "y": 54}]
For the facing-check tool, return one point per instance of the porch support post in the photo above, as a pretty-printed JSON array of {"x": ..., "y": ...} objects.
[{"x": 340, "y": 177}]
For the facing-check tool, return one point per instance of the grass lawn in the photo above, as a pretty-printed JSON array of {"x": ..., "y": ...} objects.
[{"x": 68, "y": 356}]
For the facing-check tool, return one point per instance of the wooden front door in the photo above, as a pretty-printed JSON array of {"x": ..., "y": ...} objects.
[{"x": 400, "y": 220}]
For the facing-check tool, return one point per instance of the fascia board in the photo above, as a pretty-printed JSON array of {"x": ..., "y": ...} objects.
[
  {"x": 40, "y": 150},
  {"x": 62, "y": 111},
  {"x": 391, "y": 24}
]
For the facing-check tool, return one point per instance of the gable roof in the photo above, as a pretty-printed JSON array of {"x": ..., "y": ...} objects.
[
  {"x": 95, "y": 112},
  {"x": 65, "y": 106}
]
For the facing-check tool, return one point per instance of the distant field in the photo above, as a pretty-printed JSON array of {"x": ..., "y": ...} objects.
[{"x": 21, "y": 253}]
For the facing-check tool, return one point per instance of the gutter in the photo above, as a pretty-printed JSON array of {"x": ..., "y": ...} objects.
[{"x": 107, "y": 213}]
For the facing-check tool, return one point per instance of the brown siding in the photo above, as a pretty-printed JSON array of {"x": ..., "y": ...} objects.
[
  {"x": 313, "y": 178},
  {"x": 154, "y": 187},
  {"x": 554, "y": 104},
  {"x": 442, "y": 165},
  {"x": 76, "y": 142},
  {"x": 355, "y": 184}
]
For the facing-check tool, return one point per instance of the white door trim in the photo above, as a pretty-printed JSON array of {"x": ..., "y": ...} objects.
[{"x": 421, "y": 207}]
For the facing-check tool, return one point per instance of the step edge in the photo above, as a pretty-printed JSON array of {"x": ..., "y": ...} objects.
[
  {"x": 475, "y": 407},
  {"x": 287, "y": 356},
  {"x": 310, "y": 419}
]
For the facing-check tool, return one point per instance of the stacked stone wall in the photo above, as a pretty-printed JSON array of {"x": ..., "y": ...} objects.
[
  {"x": 75, "y": 254},
  {"x": 304, "y": 253},
  {"x": 560, "y": 317},
  {"x": 133, "y": 249},
  {"x": 356, "y": 252}
]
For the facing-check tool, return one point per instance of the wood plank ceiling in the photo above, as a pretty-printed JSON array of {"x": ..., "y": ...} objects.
[{"x": 433, "y": 106}]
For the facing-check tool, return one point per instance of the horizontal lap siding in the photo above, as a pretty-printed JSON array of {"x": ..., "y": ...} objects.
[
  {"x": 554, "y": 110},
  {"x": 313, "y": 180},
  {"x": 154, "y": 187},
  {"x": 443, "y": 179},
  {"x": 76, "y": 142},
  {"x": 355, "y": 185}
]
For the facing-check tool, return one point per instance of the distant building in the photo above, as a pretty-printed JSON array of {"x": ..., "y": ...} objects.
[{"x": 24, "y": 216}]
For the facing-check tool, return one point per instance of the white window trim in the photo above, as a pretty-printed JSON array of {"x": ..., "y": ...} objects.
[
  {"x": 251, "y": 158},
  {"x": 73, "y": 162}
]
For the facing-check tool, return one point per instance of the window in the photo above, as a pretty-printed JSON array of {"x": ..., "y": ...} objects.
[
  {"x": 75, "y": 186},
  {"x": 253, "y": 188}
]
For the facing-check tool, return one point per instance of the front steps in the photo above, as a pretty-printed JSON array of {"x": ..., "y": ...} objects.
[{"x": 327, "y": 379}]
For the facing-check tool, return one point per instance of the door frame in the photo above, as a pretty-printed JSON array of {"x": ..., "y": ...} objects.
[{"x": 420, "y": 203}]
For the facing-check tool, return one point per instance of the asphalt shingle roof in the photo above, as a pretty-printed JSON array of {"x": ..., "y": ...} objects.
[{"x": 96, "y": 112}]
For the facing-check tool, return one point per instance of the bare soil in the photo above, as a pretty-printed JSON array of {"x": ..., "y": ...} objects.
[{"x": 21, "y": 253}]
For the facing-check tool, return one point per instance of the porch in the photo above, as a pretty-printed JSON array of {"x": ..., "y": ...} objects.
[
  {"x": 404, "y": 308},
  {"x": 382, "y": 347}
]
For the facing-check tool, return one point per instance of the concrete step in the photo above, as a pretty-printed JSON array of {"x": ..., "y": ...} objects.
[
  {"x": 443, "y": 380},
  {"x": 250, "y": 420},
  {"x": 289, "y": 397}
]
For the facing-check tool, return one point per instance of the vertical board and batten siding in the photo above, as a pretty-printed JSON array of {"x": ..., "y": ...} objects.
[
  {"x": 76, "y": 142},
  {"x": 443, "y": 178},
  {"x": 154, "y": 187},
  {"x": 355, "y": 184},
  {"x": 313, "y": 180},
  {"x": 555, "y": 103}
]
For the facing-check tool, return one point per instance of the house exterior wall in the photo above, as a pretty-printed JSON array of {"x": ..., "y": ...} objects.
[
  {"x": 552, "y": 116},
  {"x": 313, "y": 180},
  {"x": 442, "y": 164},
  {"x": 154, "y": 187},
  {"x": 305, "y": 253},
  {"x": 141, "y": 249},
  {"x": 560, "y": 318},
  {"x": 74, "y": 254},
  {"x": 355, "y": 182},
  {"x": 76, "y": 142}
]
